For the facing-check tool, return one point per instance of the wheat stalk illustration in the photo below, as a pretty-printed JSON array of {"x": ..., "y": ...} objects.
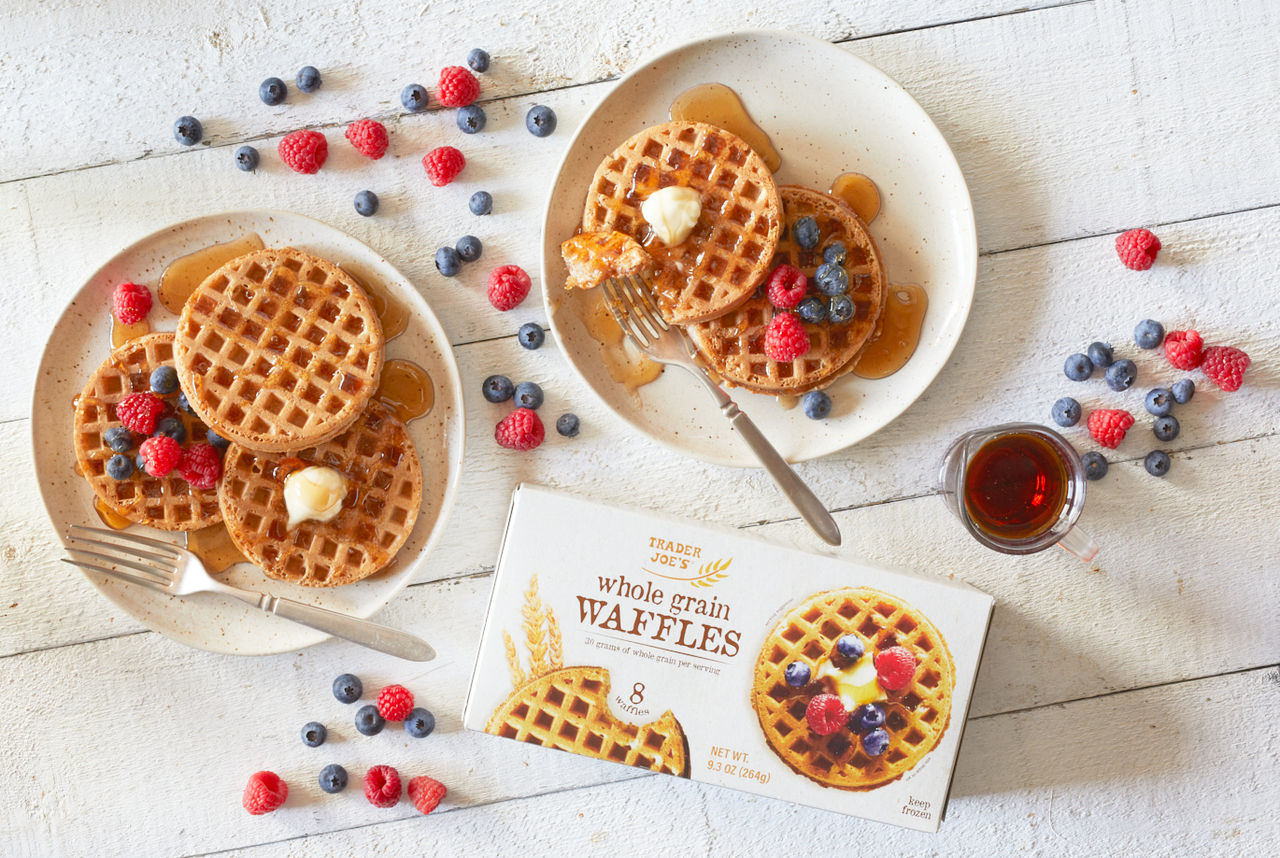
[
  {"x": 710, "y": 573},
  {"x": 513, "y": 661},
  {"x": 556, "y": 644},
  {"x": 534, "y": 616}
]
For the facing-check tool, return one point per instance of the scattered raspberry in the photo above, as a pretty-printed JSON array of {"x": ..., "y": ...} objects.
[
  {"x": 131, "y": 302},
  {"x": 895, "y": 668},
  {"x": 395, "y": 702},
  {"x": 520, "y": 430},
  {"x": 1225, "y": 366},
  {"x": 1184, "y": 349},
  {"x": 1108, "y": 425},
  {"x": 139, "y": 412},
  {"x": 425, "y": 793},
  {"x": 443, "y": 164},
  {"x": 508, "y": 286},
  {"x": 382, "y": 786},
  {"x": 458, "y": 87},
  {"x": 825, "y": 714},
  {"x": 264, "y": 793},
  {"x": 786, "y": 286},
  {"x": 785, "y": 338},
  {"x": 160, "y": 455},
  {"x": 1137, "y": 248},
  {"x": 304, "y": 151},
  {"x": 369, "y": 138},
  {"x": 201, "y": 466}
]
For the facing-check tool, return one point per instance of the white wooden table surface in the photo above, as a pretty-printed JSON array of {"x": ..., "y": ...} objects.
[{"x": 1126, "y": 707}]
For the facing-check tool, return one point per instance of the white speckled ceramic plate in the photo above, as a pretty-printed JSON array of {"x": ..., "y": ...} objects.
[
  {"x": 81, "y": 340},
  {"x": 827, "y": 112}
]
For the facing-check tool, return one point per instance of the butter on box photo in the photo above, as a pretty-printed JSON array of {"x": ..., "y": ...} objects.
[{"x": 704, "y": 653}]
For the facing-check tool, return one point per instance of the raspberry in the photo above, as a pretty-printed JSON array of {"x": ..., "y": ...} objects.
[
  {"x": 895, "y": 668},
  {"x": 785, "y": 339},
  {"x": 382, "y": 786},
  {"x": 369, "y": 138},
  {"x": 786, "y": 286},
  {"x": 825, "y": 714},
  {"x": 303, "y": 151},
  {"x": 425, "y": 793},
  {"x": 131, "y": 302},
  {"x": 458, "y": 87},
  {"x": 139, "y": 412},
  {"x": 443, "y": 164},
  {"x": 264, "y": 793},
  {"x": 1225, "y": 366},
  {"x": 1137, "y": 248},
  {"x": 395, "y": 702},
  {"x": 520, "y": 430},
  {"x": 201, "y": 466},
  {"x": 508, "y": 286},
  {"x": 1184, "y": 349},
  {"x": 160, "y": 455},
  {"x": 1108, "y": 425}
]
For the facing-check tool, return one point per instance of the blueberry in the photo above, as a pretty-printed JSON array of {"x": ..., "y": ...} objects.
[
  {"x": 313, "y": 733},
  {"x": 448, "y": 262},
  {"x": 478, "y": 60},
  {"x": 413, "y": 97},
  {"x": 817, "y": 405},
  {"x": 840, "y": 309},
  {"x": 118, "y": 438},
  {"x": 1148, "y": 334},
  {"x": 567, "y": 425},
  {"x": 831, "y": 279},
  {"x": 531, "y": 335},
  {"x": 119, "y": 467},
  {"x": 1122, "y": 374},
  {"x": 1183, "y": 391},
  {"x": 347, "y": 688},
  {"x": 164, "y": 380},
  {"x": 1100, "y": 354},
  {"x": 420, "y": 723},
  {"x": 797, "y": 674},
  {"x": 1159, "y": 401},
  {"x": 215, "y": 440},
  {"x": 481, "y": 203},
  {"x": 183, "y": 405},
  {"x": 469, "y": 248},
  {"x": 866, "y": 717},
  {"x": 272, "y": 91},
  {"x": 1166, "y": 428},
  {"x": 851, "y": 647},
  {"x": 835, "y": 253},
  {"x": 875, "y": 742},
  {"x": 187, "y": 130},
  {"x": 1066, "y": 411},
  {"x": 805, "y": 233},
  {"x": 173, "y": 427},
  {"x": 470, "y": 119},
  {"x": 140, "y": 464},
  {"x": 368, "y": 721},
  {"x": 1157, "y": 463},
  {"x": 497, "y": 388},
  {"x": 528, "y": 395},
  {"x": 247, "y": 158},
  {"x": 540, "y": 120},
  {"x": 366, "y": 203},
  {"x": 308, "y": 79},
  {"x": 1078, "y": 367},
  {"x": 333, "y": 778},
  {"x": 1095, "y": 465},
  {"x": 812, "y": 310}
]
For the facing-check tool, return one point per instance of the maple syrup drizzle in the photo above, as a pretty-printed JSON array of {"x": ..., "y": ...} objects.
[
  {"x": 859, "y": 192},
  {"x": 122, "y": 333},
  {"x": 185, "y": 273},
  {"x": 786, "y": 402},
  {"x": 393, "y": 315},
  {"x": 406, "y": 389},
  {"x": 214, "y": 547},
  {"x": 109, "y": 516},
  {"x": 623, "y": 361},
  {"x": 894, "y": 344},
  {"x": 718, "y": 105}
]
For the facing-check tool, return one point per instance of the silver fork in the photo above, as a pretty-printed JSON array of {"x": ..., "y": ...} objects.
[
  {"x": 629, "y": 300},
  {"x": 165, "y": 567}
]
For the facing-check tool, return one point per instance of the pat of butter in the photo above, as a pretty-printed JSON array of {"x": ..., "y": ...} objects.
[
  {"x": 856, "y": 685},
  {"x": 313, "y": 494},
  {"x": 673, "y": 213}
]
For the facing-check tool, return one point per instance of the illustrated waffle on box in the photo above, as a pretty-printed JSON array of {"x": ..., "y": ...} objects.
[{"x": 678, "y": 648}]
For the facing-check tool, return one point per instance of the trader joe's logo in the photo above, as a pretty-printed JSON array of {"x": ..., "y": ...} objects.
[{"x": 678, "y": 561}]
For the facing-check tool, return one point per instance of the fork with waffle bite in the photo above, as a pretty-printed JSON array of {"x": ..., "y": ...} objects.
[{"x": 629, "y": 300}]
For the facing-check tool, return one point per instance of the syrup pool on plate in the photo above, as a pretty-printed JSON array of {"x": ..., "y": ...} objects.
[
  {"x": 406, "y": 389},
  {"x": 718, "y": 105},
  {"x": 895, "y": 342},
  {"x": 393, "y": 315},
  {"x": 624, "y": 362},
  {"x": 109, "y": 516},
  {"x": 214, "y": 547},
  {"x": 185, "y": 273},
  {"x": 858, "y": 192}
]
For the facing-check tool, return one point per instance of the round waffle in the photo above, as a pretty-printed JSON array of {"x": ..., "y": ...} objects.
[
  {"x": 915, "y": 717},
  {"x": 167, "y": 503},
  {"x": 733, "y": 344},
  {"x": 727, "y": 255},
  {"x": 384, "y": 478},
  {"x": 279, "y": 350}
]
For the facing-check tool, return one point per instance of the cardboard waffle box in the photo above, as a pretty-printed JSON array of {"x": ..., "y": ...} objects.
[{"x": 708, "y": 654}]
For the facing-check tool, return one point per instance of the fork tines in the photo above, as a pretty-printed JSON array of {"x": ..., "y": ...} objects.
[
  {"x": 632, "y": 305},
  {"x": 158, "y": 565}
]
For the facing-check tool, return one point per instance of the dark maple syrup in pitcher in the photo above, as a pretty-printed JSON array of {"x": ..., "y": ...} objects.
[{"x": 1015, "y": 486}]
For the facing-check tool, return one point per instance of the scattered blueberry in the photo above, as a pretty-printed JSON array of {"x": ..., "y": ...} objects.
[
  {"x": 247, "y": 158},
  {"x": 1166, "y": 428},
  {"x": 805, "y": 233},
  {"x": 347, "y": 688},
  {"x": 414, "y": 97},
  {"x": 333, "y": 778},
  {"x": 183, "y": 405},
  {"x": 1100, "y": 354},
  {"x": 308, "y": 79},
  {"x": 1095, "y": 465},
  {"x": 478, "y": 60},
  {"x": 313, "y": 733},
  {"x": 118, "y": 438},
  {"x": 867, "y": 717},
  {"x": 567, "y": 425},
  {"x": 164, "y": 380},
  {"x": 531, "y": 335},
  {"x": 817, "y": 405},
  {"x": 272, "y": 91},
  {"x": 812, "y": 310},
  {"x": 528, "y": 395},
  {"x": 840, "y": 309},
  {"x": 420, "y": 723},
  {"x": 448, "y": 262},
  {"x": 831, "y": 278},
  {"x": 120, "y": 467},
  {"x": 1078, "y": 367},
  {"x": 540, "y": 120},
  {"x": 481, "y": 203},
  {"x": 368, "y": 721},
  {"x": 1183, "y": 390},
  {"x": 470, "y": 119},
  {"x": 797, "y": 674},
  {"x": 215, "y": 440},
  {"x": 497, "y": 388},
  {"x": 1066, "y": 411},
  {"x": 187, "y": 130},
  {"x": 875, "y": 742},
  {"x": 851, "y": 647},
  {"x": 1159, "y": 401},
  {"x": 469, "y": 248},
  {"x": 1122, "y": 374},
  {"x": 1148, "y": 334},
  {"x": 1157, "y": 463},
  {"x": 366, "y": 203},
  {"x": 834, "y": 252},
  {"x": 173, "y": 427}
]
